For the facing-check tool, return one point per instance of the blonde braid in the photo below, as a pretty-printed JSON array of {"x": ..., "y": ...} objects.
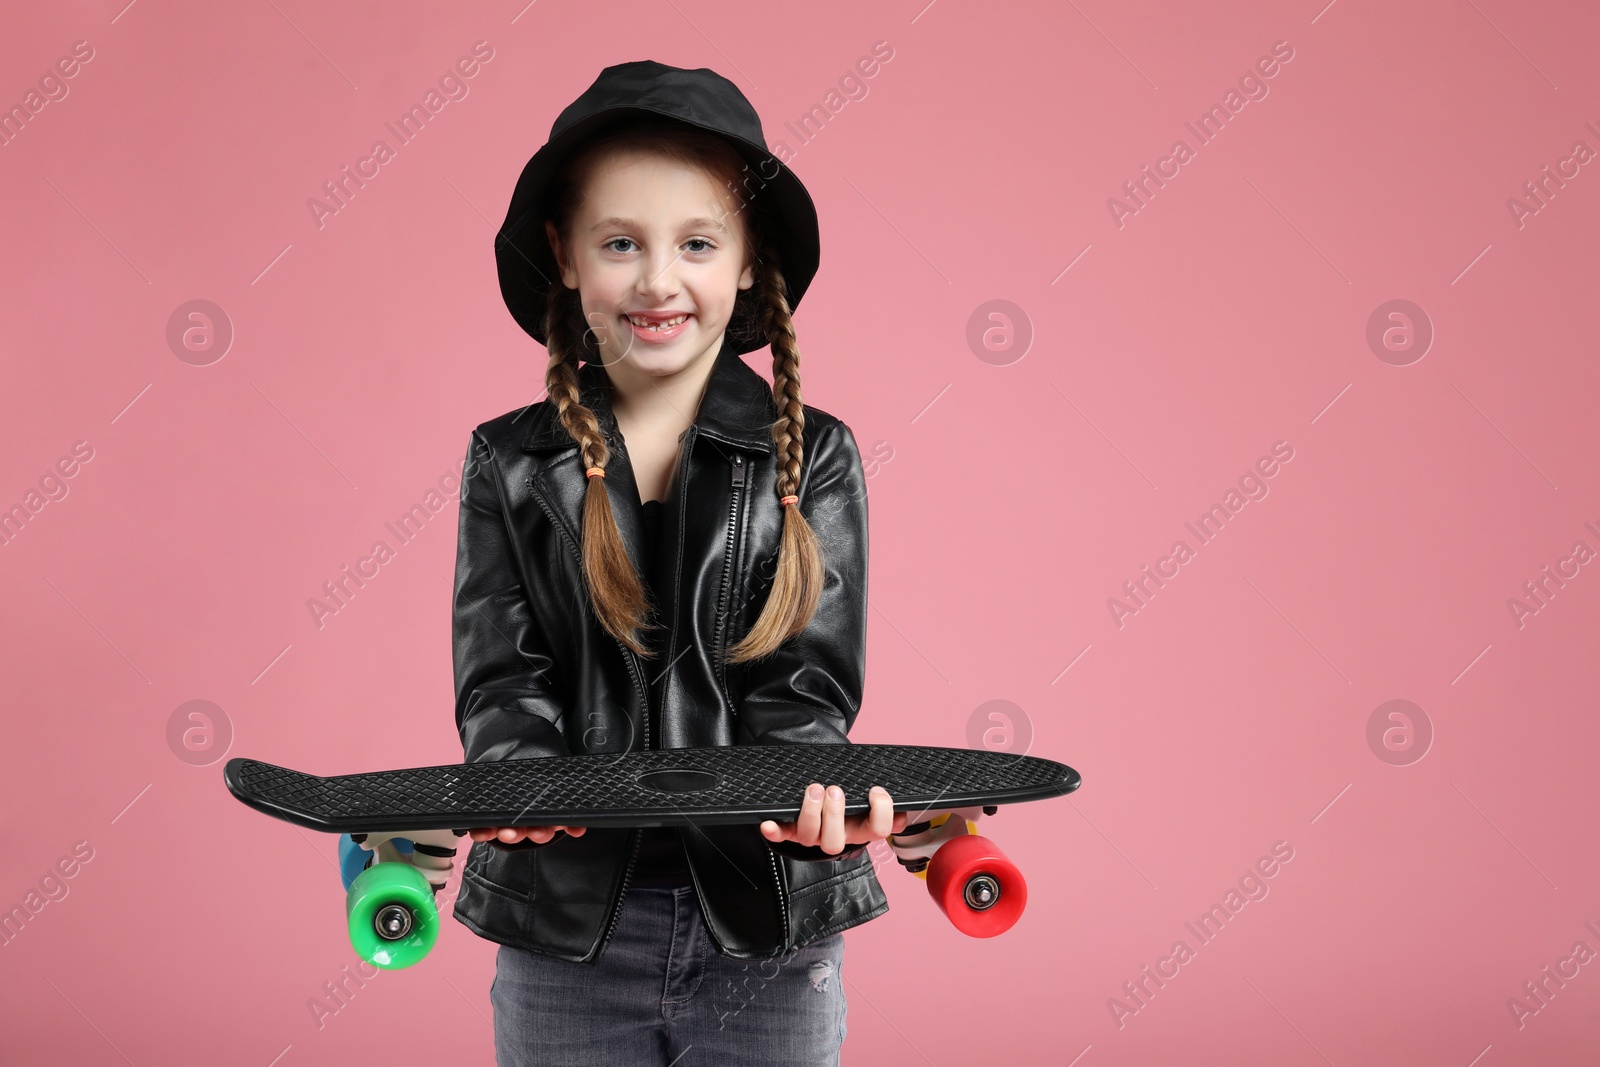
[
  {"x": 797, "y": 585},
  {"x": 615, "y": 591}
]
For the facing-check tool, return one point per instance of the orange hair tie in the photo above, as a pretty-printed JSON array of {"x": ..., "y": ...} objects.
[
  {"x": 592, "y": 471},
  {"x": 786, "y": 501}
]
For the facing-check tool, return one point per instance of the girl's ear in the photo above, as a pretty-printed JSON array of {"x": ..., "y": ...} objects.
[
  {"x": 748, "y": 278},
  {"x": 569, "y": 277}
]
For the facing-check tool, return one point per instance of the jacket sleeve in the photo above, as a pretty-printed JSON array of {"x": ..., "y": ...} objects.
[
  {"x": 504, "y": 667},
  {"x": 809, "y": 690}
]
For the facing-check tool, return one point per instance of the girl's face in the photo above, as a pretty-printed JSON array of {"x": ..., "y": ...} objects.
[{"x": 654, "y": 242}]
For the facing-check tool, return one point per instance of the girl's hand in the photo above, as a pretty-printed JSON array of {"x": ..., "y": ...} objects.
[
  {"x": 822, "y": 820},
  {"x": 510, "y": 835}
]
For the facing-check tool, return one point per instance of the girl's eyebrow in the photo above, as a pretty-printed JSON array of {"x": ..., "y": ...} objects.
[{"x": 619, "y": 223}]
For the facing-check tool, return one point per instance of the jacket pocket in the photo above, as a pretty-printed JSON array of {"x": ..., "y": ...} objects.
[
  {"x": 849, "y": 898},
  {"x": 502, "y": 874}
]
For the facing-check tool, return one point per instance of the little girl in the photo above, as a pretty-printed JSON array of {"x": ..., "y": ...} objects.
[{"x": 666, "y": 552}]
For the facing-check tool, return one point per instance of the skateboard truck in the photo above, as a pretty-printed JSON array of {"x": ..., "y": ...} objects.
[
  {"x": 391, "y": 880},
  {"x": 978, "y": 888}
]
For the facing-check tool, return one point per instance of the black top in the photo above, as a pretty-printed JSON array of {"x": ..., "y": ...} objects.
[{"x": 661, "y": 860}]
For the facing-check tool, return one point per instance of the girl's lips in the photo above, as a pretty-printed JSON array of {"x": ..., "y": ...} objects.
[{"x": 658, "y": 336}]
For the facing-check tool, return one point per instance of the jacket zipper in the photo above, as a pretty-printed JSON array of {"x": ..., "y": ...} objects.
[
  {"x": 636, "y": 838},
  {"x": 639, "y": 689},
  {"x": 638, "y": 833},
  {"x": 724, "y": 608},
  {"x": 736, "y": 482}
]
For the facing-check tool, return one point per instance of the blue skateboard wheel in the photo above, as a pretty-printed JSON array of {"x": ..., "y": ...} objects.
[{"x": 353, "y": 859}]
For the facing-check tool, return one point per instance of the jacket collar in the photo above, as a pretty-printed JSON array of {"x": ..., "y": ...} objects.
[{"x": 736, "y": 409}]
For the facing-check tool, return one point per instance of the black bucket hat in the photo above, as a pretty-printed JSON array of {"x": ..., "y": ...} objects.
[{"x": 699, "y": 98}]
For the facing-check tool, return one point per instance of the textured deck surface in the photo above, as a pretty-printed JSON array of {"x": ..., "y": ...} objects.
[{"x": 673, "y": 787}]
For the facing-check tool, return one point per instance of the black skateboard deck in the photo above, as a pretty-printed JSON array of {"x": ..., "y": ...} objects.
[{"x": 665, "y": 787}]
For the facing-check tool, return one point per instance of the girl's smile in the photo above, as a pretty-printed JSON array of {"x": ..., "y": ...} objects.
[{"x": 658, "y": 327}]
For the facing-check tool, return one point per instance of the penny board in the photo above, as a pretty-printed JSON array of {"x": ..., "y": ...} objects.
[{"x": 662, "y": 787}]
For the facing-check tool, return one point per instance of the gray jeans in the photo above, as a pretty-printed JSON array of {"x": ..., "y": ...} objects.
[{"x": 661, "y": 995}]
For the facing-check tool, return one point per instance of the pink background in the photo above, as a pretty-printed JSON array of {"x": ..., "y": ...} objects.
[{"x": 1012, "y": 494}]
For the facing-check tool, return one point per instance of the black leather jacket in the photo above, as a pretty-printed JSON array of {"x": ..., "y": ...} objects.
[{"x": 536, "y": 675}]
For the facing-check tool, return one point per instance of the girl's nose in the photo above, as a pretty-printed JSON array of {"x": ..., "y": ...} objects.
[{"x": 659, "y": 275}]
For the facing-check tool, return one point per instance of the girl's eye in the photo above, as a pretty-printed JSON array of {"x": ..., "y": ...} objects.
[{"x": 706, "y": 244}]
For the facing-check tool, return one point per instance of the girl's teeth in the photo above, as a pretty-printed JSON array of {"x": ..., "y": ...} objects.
[{"x": 658, "y": 326}]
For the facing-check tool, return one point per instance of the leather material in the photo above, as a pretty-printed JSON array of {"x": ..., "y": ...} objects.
[{"x": 536, "y": 674}]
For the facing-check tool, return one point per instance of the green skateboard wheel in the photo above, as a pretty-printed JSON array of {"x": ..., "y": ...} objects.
[{"x": 393, "y": 920}]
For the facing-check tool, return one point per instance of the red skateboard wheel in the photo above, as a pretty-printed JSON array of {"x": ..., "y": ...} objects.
[{"x": 976, "y": 886}]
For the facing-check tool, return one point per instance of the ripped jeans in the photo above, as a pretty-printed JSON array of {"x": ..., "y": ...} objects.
[{"x": 661, "y": 995}]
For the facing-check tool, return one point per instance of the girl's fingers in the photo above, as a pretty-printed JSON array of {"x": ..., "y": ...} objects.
[
  {"x": 512, "y": 834},
  {"x": 544, "y": 834},
  {"x": 833, "y": 832},
  {"x": 808, "y": 827},
  {"x": 819, "y": 814},
  {"x": 821, "y": 822},
  {"x": 881, "y": 816}
]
